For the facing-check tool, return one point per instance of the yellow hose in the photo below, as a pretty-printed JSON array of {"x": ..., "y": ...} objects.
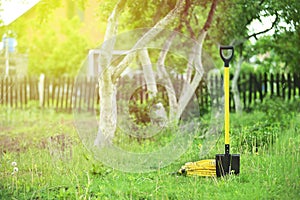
[{"x": 199, "y": 168}]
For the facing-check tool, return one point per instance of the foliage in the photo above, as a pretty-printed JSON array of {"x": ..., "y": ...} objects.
[
  {"x": 256, "y": 137},
  {"x": 247, "y": 68},
  {"x": 262, "y": 128},
  {"x": 53, "y": 50},
  {"x": 234, "y": 17},
  {"x": 281, "y": 52},
  {"x": 275, "y": 109},
  {"x": 140, "y": 111},
  {"x": 57, "y": 54}
]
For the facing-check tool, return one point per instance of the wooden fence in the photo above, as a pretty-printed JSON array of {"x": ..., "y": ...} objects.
[{"x": 65, "y": 94}]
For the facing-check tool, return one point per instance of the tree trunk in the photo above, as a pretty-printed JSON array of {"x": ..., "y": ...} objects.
[
  {"x": 107, "y": 89},
  {"x": 158, "y": 113},
  {"x": 148, "y": 72},
  {"x": 110, "y": 74},
  {"x": 165, "y": 78},
  {"x": 108, "y": 110},
  {"x": 187, "y": 94}
]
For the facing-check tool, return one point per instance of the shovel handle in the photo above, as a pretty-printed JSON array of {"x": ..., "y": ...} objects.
[{"x": 227, "y": 58}]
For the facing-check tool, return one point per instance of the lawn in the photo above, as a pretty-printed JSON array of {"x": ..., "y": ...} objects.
[{"x": 42, "y": 157}]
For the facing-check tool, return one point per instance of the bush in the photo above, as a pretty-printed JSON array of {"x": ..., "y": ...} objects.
[{"x": 262, "y": 127}]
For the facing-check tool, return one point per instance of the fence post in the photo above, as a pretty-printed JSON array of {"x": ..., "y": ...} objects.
[
  {"x": 272, "y": 85},
  {"x": 283, "y": 86},
  {"x": 289, "y": 80},
  {"x": 2, "y": 92},
  {"x": 41, "y": 89},
  {"x": 11, "y": 91},
  {"x": 260, "y": 87},
  {"x": 58, "y": 93},
  {"x": 250, "y": 89},
  {"x": 296, "y": 83},
  {"x": 266, "y": 84},
  {"x": 25, "y": 91},
  {"x": 278, "y": 84}
]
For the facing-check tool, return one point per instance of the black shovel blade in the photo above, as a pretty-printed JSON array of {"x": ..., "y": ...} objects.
[{"x": 227, "y": 164}]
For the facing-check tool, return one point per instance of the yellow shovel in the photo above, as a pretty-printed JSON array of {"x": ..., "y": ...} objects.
[
  {"x": 224, "y": 163},
  {"x": 227, "y": 163}
]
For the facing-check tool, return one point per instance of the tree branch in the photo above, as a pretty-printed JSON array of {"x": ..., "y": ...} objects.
[
  {"x": 111, "y": 30},
  {"x": 259, "y": 5},
  {"x": 144, "y": 58},
  {"x": 210, "y": 15},
  {"x": 197, "y": 60},
  {"x": 184, "y": 17},
  {"x": 238, "y": 42},
  {"x": 164, "y": 76},
  {"x": 266, "y": 30},
  {"x": 117, "y": 71}
]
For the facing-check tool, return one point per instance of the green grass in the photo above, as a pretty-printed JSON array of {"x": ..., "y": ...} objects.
[{"x": 269, "y": 170}]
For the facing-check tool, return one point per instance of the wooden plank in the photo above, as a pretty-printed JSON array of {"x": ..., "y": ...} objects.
[
  {"x": 250, "y": 89},
  {"x": 143, "y": 87},
  {"x": 202, "y": 94},
  {"x": 71, "y": 94},
  {"x": 67, "y": 93},
  {"x": 295, "y": 82},
  {"x": 266, "y": 84},
  {"x": 6, "y": 91},
  {"x": 260, "y": 87},
  {"x": 57, "y": 94},
  {"x": 30, "y": 88},
  {"x": 15, "y": 92},
  {"x": 88, "y": 93},
  {"x": 215, "y": 89},
  {"x": 283, "y": 86},
  {"x": 243, "y": 90},
  {"x": 62, "y": 85},
  {"x": 2, "y": 91},
  {"x": 84, "y": 93},
  {"x": 47, "y": 91},
  {"x": 207, "y": 101},
  {"x": 289, "y": 85},
  {"x": 54, "y": 86},
  {"x": 272, "y": 85},
  {"x": 21, "y": 91},
  {"x": 278, "y": 84},
  {"x": 93, "y": 93},
  {"x": 75, "y": 96},
  {"x": 25, "y": 92},
  {"x": 240, "y": 89},
  {"x": 11, "y": 89},
  {"x": 255, "y": 87},
  {"x": 98, "y": 95},
  {"x": 44, "y": 92},
  {"x": 80, "y": 87}
]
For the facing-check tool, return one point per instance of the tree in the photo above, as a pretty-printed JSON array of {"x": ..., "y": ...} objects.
[
  {"x": 111, "y": 73},
  {"x": 54, "y": 51},
  {"x": 58, "y": 53},
  {"x": 233, "y": 28}
]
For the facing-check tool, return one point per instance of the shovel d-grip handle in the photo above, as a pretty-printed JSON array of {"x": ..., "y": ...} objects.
[{"x": 227, "y": 58}]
